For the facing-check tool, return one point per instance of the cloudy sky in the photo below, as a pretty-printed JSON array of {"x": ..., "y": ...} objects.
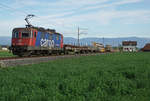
[{"x": 100, "y": 18}]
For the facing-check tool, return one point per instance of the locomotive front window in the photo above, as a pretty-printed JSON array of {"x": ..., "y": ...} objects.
[
  {"x": 16, "y": 35},
  {"x": 25, "y": 35},
  {"x": 13, "y": 35}
]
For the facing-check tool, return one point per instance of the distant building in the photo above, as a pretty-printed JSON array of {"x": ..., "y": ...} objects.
[
  {"x": 129, "y": 46},
  {"x": 4, "y": 49},
  {"x": 146, "y": 48}
]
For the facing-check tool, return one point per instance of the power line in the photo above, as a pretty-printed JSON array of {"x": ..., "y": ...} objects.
[
  {"x": 4, "y": 6},
  {"x": 12, "y": 9}
]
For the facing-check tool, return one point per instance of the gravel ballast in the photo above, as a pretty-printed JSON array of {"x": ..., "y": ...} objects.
[{"x": 35, "y": 60}]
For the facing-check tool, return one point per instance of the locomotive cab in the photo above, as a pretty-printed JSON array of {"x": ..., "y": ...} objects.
[{"x": 22, "y": 39}]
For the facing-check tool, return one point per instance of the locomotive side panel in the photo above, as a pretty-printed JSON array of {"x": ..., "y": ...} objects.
[
  {"x": 34, "y": 35},
  {"x": 62, "y": 41},
  {"x": 57, "y": 40},
  {"x": 38, "y": 37},
  {"x": 48, "y": 41}
]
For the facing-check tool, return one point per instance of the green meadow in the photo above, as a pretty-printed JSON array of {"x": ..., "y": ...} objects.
[
  {"x": 6, "y": 54},
  {"x": 107, "y": 77}
]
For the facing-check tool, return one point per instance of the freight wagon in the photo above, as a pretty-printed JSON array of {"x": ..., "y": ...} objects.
[{"x": 79, "y": 49}]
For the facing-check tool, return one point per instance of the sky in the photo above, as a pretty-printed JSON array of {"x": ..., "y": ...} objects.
[{"x": 95, "y": 18}]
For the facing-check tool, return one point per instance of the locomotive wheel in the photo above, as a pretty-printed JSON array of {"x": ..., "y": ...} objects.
[
  {"x": 29, "y": 53},
  {"x": 67, "y": 53},
  {"x": 20, "y": 55},
  {"x": 59, "y": 53}
]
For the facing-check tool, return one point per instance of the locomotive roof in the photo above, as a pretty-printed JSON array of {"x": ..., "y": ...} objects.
[{"x": 39, "y": 29}]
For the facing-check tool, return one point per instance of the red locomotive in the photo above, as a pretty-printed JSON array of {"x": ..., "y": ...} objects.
[{"x": 33, "y": 40}]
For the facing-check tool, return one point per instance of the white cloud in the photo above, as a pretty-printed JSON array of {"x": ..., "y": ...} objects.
[
  {"x": 68, "y": 25},
  {"x": 74, "y": 13},
  {"x": 101, "y": 17},
  {"x": 6, "y": 27},
  {"x": 113, "y": 4}
]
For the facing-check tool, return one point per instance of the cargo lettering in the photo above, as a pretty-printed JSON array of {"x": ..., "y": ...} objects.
[{"x": 47, "y": 43}]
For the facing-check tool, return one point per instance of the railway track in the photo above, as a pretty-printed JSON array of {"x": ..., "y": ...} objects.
[
  {"x": 24, "y": 57},
  {"x": 16, "y": 61},
  {"x": 11, "y": 58},
  {"x": 7, "y": 58}
]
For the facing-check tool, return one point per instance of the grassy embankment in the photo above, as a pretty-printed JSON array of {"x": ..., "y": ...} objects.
[
  {"x": 110, "y": 77},
  {"x": 6, "y": 54}
]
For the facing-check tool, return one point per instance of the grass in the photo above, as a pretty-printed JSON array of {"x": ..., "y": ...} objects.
[
  {"x": 109, "y": 77},
  {"x": 6, "y": 54}
]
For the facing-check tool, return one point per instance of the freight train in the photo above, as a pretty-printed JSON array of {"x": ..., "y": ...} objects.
[
  {"x": 32, "y": 40},
  {"x": 39, "y": 41}
]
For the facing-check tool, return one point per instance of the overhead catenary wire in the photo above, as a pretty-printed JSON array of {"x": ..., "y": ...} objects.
[
  {"x": 4, "y": 6},
  {"x": 24, "y": 13}
]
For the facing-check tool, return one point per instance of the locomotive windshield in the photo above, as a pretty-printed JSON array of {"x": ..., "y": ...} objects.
[
  {"x": 25, "y": 35},
  {"x": 15, "y": 34}
]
